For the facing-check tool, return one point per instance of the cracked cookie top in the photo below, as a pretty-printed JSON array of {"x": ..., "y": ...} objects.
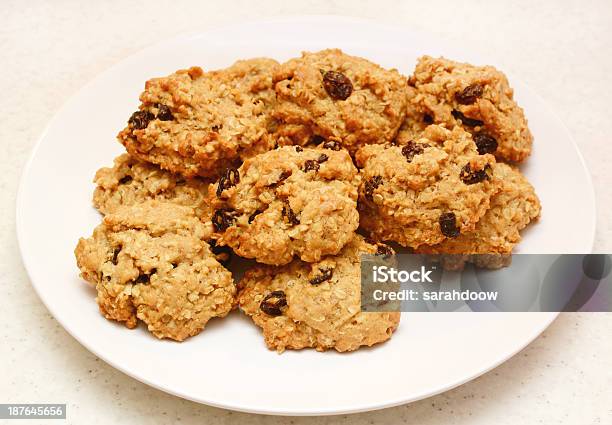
[
  {"x": 435, "y": 187},
  {"x": 198, "y": 123},
  {"x": 335, "y": 96},
  {"x": 478, "y": 98},
  {"x": 152, "y": 262},
  {"x": 288, "y": 202},
  {"x": 498, "y": 231},
  {"x": 131, "y": 182},
  {"x": 315, "y": 305}
]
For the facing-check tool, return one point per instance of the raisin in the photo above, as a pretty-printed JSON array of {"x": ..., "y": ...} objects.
[
  {"x": 315, "y": 139},
  {"x": 337, "y": 85},
  {"x": 222, "y": 219},
  {"x": 412, "y": 149},
  {"x": 115, "y": 255},
  {"x": 384, "y": 250},
  {"x": 448, "y": 225},
  {"x": 469, "y": 94},
  {"x": 255, "y": 214},
  {"x": 371, "y": 185},
  {"x": 485, "y": 143},
  {"x": 311, "y": 165},
  {"x": 299, "y": 149},
  {"x": 428, "y": 119},
  {"x": 322, "y": 158},
  {"x": 145, "y": 278},
  {"x": 333, "y": 145},
  {"x": 326, "y": 274},
  {"x": 125, "y": 180},
  {"x": 273, "y": 303},
  {"x": 222, "y": 253},
  {"x": 140, "y": 119},
  {"x": 469, "y": 176},
  {"x": 283, "y": 176},
  {"x": 164, "y": 113},
  {"x": 230, "y": 178},
  {"x": 215, "y": 128},
  {"x": 470, "y": 122},
  {"x": 288, "y": 213}
]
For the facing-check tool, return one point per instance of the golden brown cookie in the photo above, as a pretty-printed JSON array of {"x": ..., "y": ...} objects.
[
  {"x": 197, "y": 124},
  {"x": 315, "y": 305},
  {"x": 433, "y": 188},
  {"x": 334, "y": 96},
  {"x": 151, "y": 262},
  {"x": 132, "y": 182},
  {"x": 478, "y": 98},
  {"x": 498, "y": 231},
  {"x": 288, "y": 202}
]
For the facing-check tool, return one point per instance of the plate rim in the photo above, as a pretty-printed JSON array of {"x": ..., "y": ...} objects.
[{"x": 19, "y": 225}]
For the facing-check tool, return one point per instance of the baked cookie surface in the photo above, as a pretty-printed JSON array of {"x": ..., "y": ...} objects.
[
  {"x": 315, "y": 305},
  {"x": 132, "y": 182},
  {"x": 198, "y": 123},
  {"x": 433, "y": 188},
  {"x": 478, "y": 98},
  {"x": 151, "y": 262},
  {"x": 498, "y": 231},
  {"x": 335, "y": 96},
  {"x": 288, "y": 202}
]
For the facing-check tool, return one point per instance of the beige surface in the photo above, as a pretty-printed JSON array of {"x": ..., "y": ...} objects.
[{"x": 50, "y": 49}]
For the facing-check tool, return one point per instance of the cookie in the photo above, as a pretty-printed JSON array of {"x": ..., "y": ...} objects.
[
  {"x": 431, "y": 189},
  {"x": 288, "y": 202},
  {"x": 197, "y": 124},
  {"x": 334, "y": 96},
  {"x": 478, "y": 98},
  {"x": 151, "y": 262},
  {"x": 498, "y": 231},
  {"x": 132, "y": 182},
  {"x": 315, "y": 305}
]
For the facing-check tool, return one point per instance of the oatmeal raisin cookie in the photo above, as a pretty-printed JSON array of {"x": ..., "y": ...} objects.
[
  {"x": 478, "y": 98},
  {"x": 315, "y": 305},
  {"x": 198, "y": 123},
  {"x": 132, "y": 182},
  {"x": 152, "y": 262},
  {"x": 335, "y": 96},
  {"x": 287, "y": 202},
  {"x": 431, "y": 189}
]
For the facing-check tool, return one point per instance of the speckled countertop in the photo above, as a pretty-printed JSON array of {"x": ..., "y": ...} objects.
[{"x": 50, "y": 49}]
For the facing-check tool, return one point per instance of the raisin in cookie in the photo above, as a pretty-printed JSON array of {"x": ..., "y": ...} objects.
[
  {"x": 286, "y": 202},
  {"x": 197, "y": 124},
  {"x": 132, "y": 182},
  {"x": 478, "y": 98},
  {"x": 433, "y": 188},
  {"x": 498, "y": 231},
  {"x": 151, "y": 262},
  {"x": 338, "y": 97},
  {"x": 315, "y": 305}
]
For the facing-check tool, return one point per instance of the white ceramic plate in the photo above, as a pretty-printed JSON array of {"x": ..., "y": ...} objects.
[{"x": 228, "y": 364}]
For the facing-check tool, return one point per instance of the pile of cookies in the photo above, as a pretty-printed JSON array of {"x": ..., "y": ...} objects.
[{"x": 289, "y": 165}]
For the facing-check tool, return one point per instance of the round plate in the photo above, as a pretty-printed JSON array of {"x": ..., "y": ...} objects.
[{"x": 228, "y": 364}]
